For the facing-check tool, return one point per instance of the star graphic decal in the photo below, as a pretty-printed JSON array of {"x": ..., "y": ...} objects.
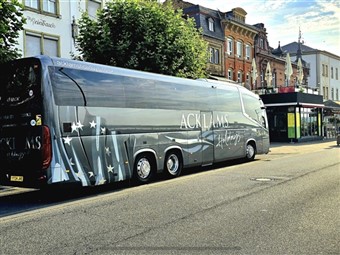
[
  {"x": 74, "y": 127},
  {"x": 102, "y": 181},
  {"x": 93, "y": 124},
  {"x": 79, "y": 125},
  {"x": 67, "y": 140},
  {"x": 110, "y": 169},
  {"x": 103, "y": 130},
  {"x": 91, "y": 174},
  {"x": 107, "y": 151}
]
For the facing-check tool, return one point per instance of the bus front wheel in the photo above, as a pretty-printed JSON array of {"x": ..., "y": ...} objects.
[
  {"x": 250, "y": 151},
  {"x": 173, "y": 164},
  {"x": 144, "y": 168}
]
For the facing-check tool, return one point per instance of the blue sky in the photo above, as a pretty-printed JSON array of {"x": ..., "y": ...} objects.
[{"x": 319, "y": 20}]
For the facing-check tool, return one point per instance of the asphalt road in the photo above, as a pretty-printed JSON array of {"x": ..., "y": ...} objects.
[{"x": 286, "y": 202}]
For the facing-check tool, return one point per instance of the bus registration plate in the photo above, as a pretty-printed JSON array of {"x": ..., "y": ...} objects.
[{"x": 15, "y": 178}]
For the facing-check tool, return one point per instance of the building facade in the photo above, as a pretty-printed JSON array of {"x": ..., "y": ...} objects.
[
  {"x": 239, "y": 46},
  {"x": 230, "y": 40},
  {"x": 209, "y": 21},
  {"x": 324, "y": 70},
  {"x": 51, "y": 26}
]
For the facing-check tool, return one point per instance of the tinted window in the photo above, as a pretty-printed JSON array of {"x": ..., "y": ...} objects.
[
  {"x": 99, "y": 89},
  {"x": 228, "y": 99},
  {"x": 19, "y": 82},
  {"x": 112, "y": 90},
  {"x": 252, "y": 107}
]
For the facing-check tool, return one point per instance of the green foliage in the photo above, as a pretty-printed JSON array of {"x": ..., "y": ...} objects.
[
  {"x": 143, "y": 35},
  {"x": 11, "y": 22}
]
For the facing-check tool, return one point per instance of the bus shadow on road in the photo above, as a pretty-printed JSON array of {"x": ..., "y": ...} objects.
[
  {"x": 27, "y": 200},
  {"x": 23, "y": 201}
]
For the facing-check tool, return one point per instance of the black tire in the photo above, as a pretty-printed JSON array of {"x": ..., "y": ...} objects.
[
  {"x": 250, "y": 151},
  {"x": 173, "y": 164},
  {"x": 144, "y": 168}
]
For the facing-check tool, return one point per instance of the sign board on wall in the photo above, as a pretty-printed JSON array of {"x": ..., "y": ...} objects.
[{"x": 291, "y": 125}]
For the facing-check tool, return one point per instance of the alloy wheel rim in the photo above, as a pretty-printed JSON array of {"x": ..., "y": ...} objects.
[
  {"x": 250, "y": 151},
  {"x": 172, "y": 164},
  {"x": 143, "y": 168}
]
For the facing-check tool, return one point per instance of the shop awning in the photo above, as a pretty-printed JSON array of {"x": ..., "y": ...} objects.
[{"x": 306, "y": 105}]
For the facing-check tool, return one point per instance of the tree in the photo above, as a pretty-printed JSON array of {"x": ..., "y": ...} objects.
[
  {"x": 143, "y": 35},
  {"x": 11, "y": 22}
]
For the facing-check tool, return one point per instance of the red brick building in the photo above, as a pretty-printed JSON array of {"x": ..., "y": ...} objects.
[{"x": 239, "y": 46}]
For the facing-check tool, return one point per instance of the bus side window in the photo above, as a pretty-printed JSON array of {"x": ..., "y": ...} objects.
[
  {"x": 252, "y": 107},
  {"x": 65, "y": 90}
]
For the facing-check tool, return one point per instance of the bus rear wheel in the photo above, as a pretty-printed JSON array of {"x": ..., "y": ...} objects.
[
  {"x": 144, "y": 169},
  {"x": 173, "y": 164},
  {"x": 250, "y": 151}
]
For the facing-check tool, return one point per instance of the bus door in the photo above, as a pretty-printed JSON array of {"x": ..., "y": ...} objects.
[{"x": 207, "y": 137}]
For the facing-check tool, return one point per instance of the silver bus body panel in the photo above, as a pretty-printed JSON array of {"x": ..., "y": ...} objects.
[{"x": 94, "y": 145}]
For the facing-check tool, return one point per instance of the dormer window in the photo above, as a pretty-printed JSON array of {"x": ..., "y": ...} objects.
[{"x": 211, "y": 24}]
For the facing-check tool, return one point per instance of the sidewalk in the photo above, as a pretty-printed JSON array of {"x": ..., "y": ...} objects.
[
  {"x": 302, "y": 147},
  {"x": 305, "y": 143}
]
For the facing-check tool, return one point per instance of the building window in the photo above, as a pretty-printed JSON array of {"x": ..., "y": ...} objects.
[
  {"x": 92, "y": 7},
  {"x": 239, "y": 49},
  {"x": 36, "y": 44},
  {"x": 262, "y": 77},
  {"x": 309, "y": 122},
  {"x": 325, "y": 93},
  {"x": 49, "y": 6},
  {"x": 324, "y": 70},
  {"x": 337, "y": 95},
  {"x": 332, "y": 74},
  {"x": 211, "y": 24},
  {"x": 32, "y": 3},
  {"x": 230, "y": 74},
  {"x": 261, "y": 43},
  {"x": 332, "y": 93},
  {"x": 248, "y": 78},
  {"x": 211, "y": 54},
  {"x": 336, "y": 74},
  {"x": 214, "y": 55},
  {"x": 247, "y": 52},
  {"x": 217, "y": 56},
  {"x": 230, "y": 47},
  {"x": 239, "y": 76}
]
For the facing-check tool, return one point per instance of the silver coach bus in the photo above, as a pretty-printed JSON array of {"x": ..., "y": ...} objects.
[{"x": 65, "y": 121}]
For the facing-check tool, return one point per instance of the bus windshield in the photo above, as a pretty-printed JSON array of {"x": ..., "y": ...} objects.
[{"x": 19, "y": 82}]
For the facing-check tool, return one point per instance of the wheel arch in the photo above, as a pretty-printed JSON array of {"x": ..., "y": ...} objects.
[
  {"x": 175, "y": 148},
  {"x": 250, "y": 141},
  {"x": 146, "y": 151},
  {"x": 250, "y": 147}
]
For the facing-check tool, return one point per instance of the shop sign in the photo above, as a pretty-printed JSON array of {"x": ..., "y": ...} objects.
[{"x": 40, "y": 22}]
